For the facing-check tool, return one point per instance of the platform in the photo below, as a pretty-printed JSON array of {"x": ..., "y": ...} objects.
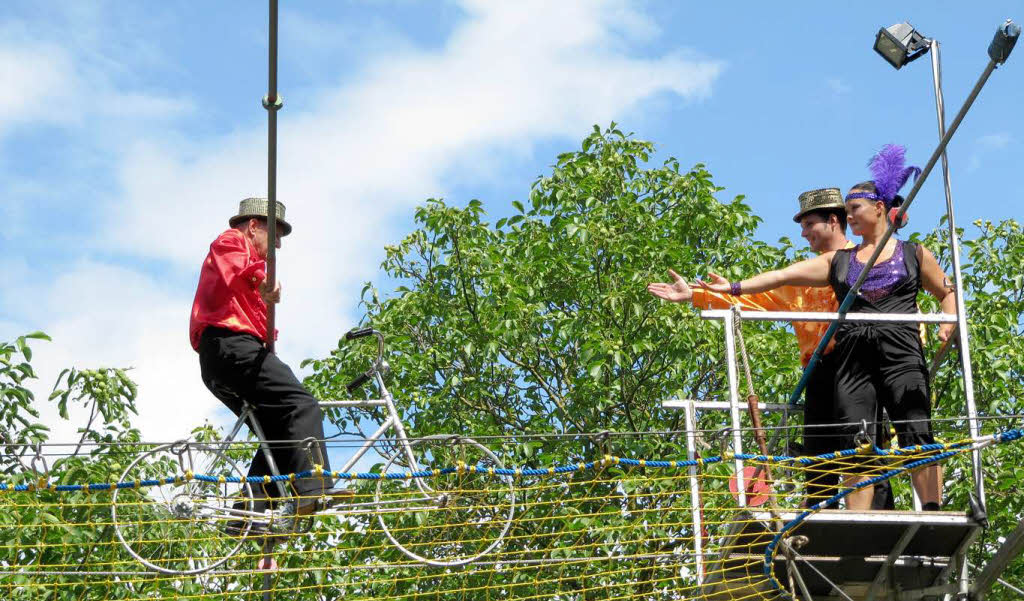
[{"x": 866, "y": 555}]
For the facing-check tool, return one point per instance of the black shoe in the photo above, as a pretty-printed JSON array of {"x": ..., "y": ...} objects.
[
  {"x": 321, "y": 499},
  {"x": 262, "y": 532},
  {"x": 237, "y": 527}
]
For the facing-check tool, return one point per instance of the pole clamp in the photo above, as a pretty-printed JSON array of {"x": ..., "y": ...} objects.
[
  {"x": 277, "y": 104},
  {"x": 39, "y": 460},
  {"x": 862, "y": 437},
  {"x": 722, "y": 436}
]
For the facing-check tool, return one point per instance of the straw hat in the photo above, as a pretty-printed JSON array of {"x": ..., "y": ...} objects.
[
  {"x": 823, "y": 198},
  {"x": 257, "y": 207}
]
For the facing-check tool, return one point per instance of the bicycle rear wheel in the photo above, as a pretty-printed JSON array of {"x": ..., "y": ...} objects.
[
  {"x": 186, "y": 527},
  {"x": 449, "y": 519}
]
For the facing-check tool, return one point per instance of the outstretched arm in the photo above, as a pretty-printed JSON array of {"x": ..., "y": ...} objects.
[
  {"x": 681, "y": 292},
  {"x": 811, "y": 272},
  {"x": 937, "y": 284}
]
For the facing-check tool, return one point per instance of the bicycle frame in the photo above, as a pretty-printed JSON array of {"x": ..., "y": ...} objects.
[
  {"x": 393, "y": 421},
  {"x": 247, "y": 416},
  {"x": 222, "y": 513}
]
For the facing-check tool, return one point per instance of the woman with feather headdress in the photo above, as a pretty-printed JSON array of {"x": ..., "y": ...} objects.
[{"x": 878, "y": 363}]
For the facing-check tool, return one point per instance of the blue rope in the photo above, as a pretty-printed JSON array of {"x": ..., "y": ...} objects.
[{"x": 1007, "y": 436}]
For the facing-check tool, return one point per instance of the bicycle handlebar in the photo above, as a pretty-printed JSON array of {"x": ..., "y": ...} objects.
[
  {"x": 359, "y": 381},
  {"x": 353, "y": 334},
  {"x": 378, "y": 365}
]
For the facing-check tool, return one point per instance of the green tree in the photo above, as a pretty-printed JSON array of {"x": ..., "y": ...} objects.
[
  {"x": 994, "y": 288},
  {"x": 19, "y": 425},
  {"x": 538, "y": 328},
  {"x": 540, "y": 323}
]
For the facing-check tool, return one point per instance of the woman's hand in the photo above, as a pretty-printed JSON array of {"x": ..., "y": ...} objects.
[
  {"x": 946, "y": 331},
  {"x": 935, "y": 281},
  {"x": 677, "y": 292},
  {"x": 717, "y": 284}
]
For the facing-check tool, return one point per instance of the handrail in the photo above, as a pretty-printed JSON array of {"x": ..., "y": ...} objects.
[{"x": 826, "y": 316}]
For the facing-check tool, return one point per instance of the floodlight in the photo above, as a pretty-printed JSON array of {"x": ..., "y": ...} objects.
[{"x": 900, "y": 43}]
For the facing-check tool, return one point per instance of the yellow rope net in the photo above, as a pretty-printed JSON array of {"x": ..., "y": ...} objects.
[{"x": 610, "y": 529}]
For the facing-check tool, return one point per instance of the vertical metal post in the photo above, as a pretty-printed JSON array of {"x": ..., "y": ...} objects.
[
  {"x": 272, "y": 103},
  {"x": 954, "y": 250},
  {"x": 965, "y": 575},
  {"x": 695, "y": 504},
  {"x": 734, "y": 406}
]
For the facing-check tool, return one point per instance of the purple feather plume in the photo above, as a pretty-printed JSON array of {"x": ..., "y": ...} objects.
[{"x": 890, "y": 171}]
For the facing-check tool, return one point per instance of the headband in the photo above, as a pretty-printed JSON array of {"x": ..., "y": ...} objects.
[{"x": 868, "y": 195}]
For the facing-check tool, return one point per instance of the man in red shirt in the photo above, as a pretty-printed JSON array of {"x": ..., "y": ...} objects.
[{"x": 228, "y": 329}]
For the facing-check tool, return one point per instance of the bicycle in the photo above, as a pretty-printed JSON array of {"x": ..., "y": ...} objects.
[{"x": 181, "y": 526}]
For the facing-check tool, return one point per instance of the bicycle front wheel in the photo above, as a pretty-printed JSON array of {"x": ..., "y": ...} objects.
[
  {"x": 452, "y": 518},
  {"x": 186, "y": 527}
]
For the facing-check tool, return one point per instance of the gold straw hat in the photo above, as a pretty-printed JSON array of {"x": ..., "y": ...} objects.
[
  {"x": 823, "y": 198},
  {"x": 257, "y": 207}
]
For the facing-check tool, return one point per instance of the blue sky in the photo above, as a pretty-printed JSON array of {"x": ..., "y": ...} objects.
[{"x": 129, "y": 132}]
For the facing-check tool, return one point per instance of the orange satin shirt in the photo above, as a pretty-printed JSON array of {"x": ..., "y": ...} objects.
[{"x": 785, "y": 298}]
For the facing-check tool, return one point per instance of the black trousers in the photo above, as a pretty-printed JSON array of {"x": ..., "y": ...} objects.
[
  {"x": 882, "y": 365},
  {"x": 822, "y": 436},
  {"x": 819, "y": 436},
  {"x": 237, "y": 367}
]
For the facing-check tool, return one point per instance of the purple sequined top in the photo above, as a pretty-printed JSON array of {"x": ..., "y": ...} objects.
[{"x": 882, "y": 278}]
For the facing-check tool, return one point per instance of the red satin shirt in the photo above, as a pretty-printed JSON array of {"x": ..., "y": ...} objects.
[{"x": 228, "y": 294}]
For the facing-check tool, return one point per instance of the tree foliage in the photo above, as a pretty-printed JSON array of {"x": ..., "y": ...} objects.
[
  {"x": 540, "y": 322},
  {"x": 994, "y": 287},
  {"x": 19, "y": 425}
]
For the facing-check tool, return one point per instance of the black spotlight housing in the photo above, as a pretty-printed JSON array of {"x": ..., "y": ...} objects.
[{"x": 900, "y": 44}]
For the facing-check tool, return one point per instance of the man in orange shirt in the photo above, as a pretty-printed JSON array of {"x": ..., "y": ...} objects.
[{"x": 822, "y": 220}]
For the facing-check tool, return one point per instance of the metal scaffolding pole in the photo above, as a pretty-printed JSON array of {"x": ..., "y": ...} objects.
[
  {"x": 271, "y": 102},
  {"x": 958, "y": 283},
  {"x": 734, "y": 406}
]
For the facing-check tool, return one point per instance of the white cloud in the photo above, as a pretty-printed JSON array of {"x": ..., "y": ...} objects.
[
  {"x": 995, "y": 141},
  {"x": 64, "y": 79},
  {"x": 39, "y": 78},
  {"x": 985, "y": 145},
  {"x": 510, "y": 75},
  {"x": 838, "y": 86}
]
